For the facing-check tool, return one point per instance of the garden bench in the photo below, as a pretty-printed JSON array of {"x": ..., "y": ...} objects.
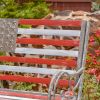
[{"x": 72, "y": 60}]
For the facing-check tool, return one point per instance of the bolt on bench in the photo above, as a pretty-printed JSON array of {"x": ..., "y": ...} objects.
[{"x": 72, "y": 66}]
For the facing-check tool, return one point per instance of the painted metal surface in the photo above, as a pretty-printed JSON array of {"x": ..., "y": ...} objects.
[
  {"x": 69, "y": 63},
  {"x": 23, "y": 96},
  {"x": 50, "y": 52},
  {"x": 83, "y": 59},
  {"x": 55, "y": 42},
  {"x": 83, "y": 44},
  {"x": 27, "y": 94},
  {"x": 48, "y": 22},
  {"x": 30, "y": 79},
  {"x": 47, "y": 32},
  {"x": 8, "y": 33},
  {"x": 4, "y": 97},
  {"x": 23, "y": 69}
]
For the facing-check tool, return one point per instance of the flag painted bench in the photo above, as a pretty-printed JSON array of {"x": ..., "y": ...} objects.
[{"x": 69, "y": 63}]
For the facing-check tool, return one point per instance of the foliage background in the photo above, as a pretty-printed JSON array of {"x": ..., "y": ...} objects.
[{"x": 11, "y": 9}]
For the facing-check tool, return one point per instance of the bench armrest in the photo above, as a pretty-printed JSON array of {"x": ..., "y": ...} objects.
[{"x": 57, "y": 76}]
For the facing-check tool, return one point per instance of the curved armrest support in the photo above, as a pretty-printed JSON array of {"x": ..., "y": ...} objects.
[{"x": 57, "y": 76}]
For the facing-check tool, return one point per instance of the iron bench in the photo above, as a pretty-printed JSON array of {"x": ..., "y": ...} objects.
[{"x": 69, "y": 62}]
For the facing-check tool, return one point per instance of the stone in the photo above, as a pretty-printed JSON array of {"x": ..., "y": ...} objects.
[{"x": 8, "y": 33}]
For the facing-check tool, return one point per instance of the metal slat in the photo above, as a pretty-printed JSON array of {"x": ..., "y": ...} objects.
[
  {"x": 56, "y": 32},
  {"x": 33, "y": 70},
  {"x": 19, "y": 78},
  {"x": 70, "y": 63},
  {"x": 20, "y": 96},
  {"x": 27, "y": 94},
  {"x": 48, "y": 52},
  {"x": 55, "y": 42},
  {"x": 5, "y": 97},
  {"x": 48, "y": 22}
]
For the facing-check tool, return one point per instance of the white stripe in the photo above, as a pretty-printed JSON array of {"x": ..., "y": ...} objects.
[
  {"x": 49, "y": 32},
  {"x": 4, "y": 97},
  {"x": 47, "y": 52},
  {"x": 33, "y": 70}
]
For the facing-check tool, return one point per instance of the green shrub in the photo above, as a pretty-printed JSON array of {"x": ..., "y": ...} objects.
[
  {"x": 91, "y": 88},
  {"x": 11, "y": 9}
]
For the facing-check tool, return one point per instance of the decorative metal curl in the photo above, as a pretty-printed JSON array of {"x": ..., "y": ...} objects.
[
  {"x": 70, "y": 94},
  {"x": 54, "y": 82},
  {"x": 51, "y": 91},
  {"x": 67, "y": 95}
]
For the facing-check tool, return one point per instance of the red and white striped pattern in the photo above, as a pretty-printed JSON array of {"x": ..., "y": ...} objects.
[{"x": 67, "y": 62}]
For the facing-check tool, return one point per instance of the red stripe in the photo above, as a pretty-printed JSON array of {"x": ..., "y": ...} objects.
[
  {"x": 19, "y": 78},
  {"x": 68, "y": 62},
  {"x": 33, "y": 96},
  {"x": 47, "y": 42},
  {"x": 50, "y": 22}
]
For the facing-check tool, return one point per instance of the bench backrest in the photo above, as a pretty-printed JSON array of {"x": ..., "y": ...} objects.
[{"x": 47, "y": 56}]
